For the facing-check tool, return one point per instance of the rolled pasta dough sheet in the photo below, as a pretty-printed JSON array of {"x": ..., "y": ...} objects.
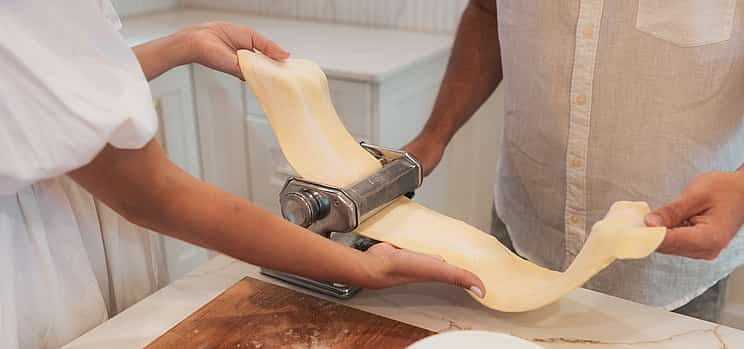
[{"x": 294, "y": 94}]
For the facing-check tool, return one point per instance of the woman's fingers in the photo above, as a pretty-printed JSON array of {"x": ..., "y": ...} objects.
[
  {"x": 408, "y": 266},
  {"x": 268, "y": 47},
  {"x": 246, "y": 38},
  {"x": 215, "y": 45}
]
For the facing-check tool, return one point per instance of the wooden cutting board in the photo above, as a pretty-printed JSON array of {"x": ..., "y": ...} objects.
[{"x": 255, "y": 314}]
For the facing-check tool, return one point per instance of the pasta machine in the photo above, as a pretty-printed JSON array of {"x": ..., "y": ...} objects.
[{"x": 334, "y": 212}]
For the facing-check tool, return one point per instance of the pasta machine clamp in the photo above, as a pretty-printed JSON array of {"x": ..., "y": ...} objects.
[{"x": 335, "y": 212}]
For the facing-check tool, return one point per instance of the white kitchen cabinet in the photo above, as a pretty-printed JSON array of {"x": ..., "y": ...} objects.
[{"x": 173, "y": 96}]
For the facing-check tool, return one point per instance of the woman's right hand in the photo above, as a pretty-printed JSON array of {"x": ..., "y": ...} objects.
[{"x": 390, "y": 266}]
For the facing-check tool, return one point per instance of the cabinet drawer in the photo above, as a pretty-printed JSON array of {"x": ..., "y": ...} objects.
[{"x": 352, "y": 100}]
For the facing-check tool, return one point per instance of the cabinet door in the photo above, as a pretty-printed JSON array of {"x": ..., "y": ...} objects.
[
  {"x": 220, "y": 115},
  {"x": 174, "y": 100}
]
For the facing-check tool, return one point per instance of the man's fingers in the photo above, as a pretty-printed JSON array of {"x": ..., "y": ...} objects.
[
  {"x": 699, "y": 241},
  {"x": 676, "y": 212}
]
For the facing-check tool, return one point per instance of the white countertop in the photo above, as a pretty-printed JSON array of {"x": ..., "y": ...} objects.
[
  {"x": 342, "y": 51},
  {"x": 581, "y": 319}
]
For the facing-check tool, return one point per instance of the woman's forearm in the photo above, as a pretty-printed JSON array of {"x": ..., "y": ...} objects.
[
  {"x": 160, "y": 55},
  {"x": 150, "y": 191}
]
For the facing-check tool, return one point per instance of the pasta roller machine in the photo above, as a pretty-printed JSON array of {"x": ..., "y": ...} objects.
[{"x": 335, "y": 212}]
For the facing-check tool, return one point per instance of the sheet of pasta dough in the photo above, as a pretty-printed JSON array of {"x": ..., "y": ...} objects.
[{"x": 294, "y": 94}]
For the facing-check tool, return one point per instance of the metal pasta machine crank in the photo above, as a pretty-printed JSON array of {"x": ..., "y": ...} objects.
[{"x": 334, "y": 212}]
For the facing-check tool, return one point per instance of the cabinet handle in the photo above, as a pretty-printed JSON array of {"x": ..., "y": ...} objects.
[{"x": 160, "y": 135}]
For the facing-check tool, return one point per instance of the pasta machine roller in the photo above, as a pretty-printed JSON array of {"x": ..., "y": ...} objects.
[{"x": 335, "y": 212}]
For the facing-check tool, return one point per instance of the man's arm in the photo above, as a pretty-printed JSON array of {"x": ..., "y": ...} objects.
[
  {"x": 473, "y": 72},
  {"x": 147, "y": 189}
]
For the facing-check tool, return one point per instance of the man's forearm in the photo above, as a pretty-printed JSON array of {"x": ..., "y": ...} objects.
[
  {"x": 160, "y": 55},
  {"x": 473, "y": 72}
]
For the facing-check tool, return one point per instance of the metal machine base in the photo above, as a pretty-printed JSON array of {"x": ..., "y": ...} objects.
[{"x": 327, "y": 288}]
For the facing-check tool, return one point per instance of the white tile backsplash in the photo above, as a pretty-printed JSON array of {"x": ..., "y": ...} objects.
[{"x": 417, "y": 15}]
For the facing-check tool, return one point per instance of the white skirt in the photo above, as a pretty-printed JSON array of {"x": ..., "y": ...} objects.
[{"x": 67, "y": 263}]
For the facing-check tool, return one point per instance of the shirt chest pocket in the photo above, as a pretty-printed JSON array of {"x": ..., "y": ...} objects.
[{"x": 687, "y": 23}]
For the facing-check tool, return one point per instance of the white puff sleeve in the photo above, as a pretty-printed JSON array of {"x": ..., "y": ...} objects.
[{"x": 69, "y": 84}]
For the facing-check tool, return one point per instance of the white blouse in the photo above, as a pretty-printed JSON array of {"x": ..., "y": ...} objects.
[{"x": 70, "y": 84}]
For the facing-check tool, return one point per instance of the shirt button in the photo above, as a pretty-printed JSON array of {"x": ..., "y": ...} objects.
[
  {"x": 574, "y": 219},
  {"x": 587, "y": 32},
  {"x": 580, "y": 100},
  {"x": 576, "y": 163}
]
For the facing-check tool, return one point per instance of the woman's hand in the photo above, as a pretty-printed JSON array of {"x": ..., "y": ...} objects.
[
  {"x": 212, "y": 44},
  {"x": 215, "y": 44},
  {"x": 390, "y": 266}
]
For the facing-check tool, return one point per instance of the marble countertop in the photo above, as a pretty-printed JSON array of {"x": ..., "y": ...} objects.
[
  {"x": 342, "y": 51},
  {"x": 583, "y": 319}
]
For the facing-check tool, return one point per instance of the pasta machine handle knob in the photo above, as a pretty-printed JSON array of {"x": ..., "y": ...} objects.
[{"x": 305, "y": 207}]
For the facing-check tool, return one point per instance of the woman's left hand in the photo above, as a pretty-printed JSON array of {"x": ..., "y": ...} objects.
[
  {"x": 215, "y": 44},
  {"x": 212, "y": 44}
]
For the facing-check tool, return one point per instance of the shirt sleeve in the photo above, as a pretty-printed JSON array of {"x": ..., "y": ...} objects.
[{"x": 70, "y": 85}]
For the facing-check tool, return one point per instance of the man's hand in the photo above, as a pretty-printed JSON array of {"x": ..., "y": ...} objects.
[
  {"x": 427, "y": 151},
  {"x": 390, "y": 266},
  {"x": 215, "y": 44},
  {"x": 705, "y": 218}
]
